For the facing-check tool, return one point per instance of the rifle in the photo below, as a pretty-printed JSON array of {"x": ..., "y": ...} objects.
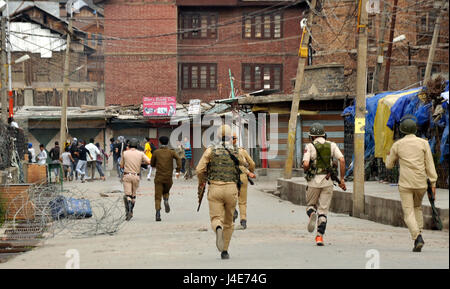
[
  {"x": 200, "y": 193},
  {"x": 435, "y": 215},
  {"x": 250, "y": 181},
  {"x": 331, "y": 173}
]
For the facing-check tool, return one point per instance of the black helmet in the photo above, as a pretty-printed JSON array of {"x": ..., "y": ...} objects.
[
  {"x": 408, "y": 126},
  {"x": 316, "y": 129},
  {"x": 134, "y": 143}
]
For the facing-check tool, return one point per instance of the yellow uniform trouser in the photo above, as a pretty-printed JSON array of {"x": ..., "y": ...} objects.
[
  {"x": 319, "y": 199},
  {"x": 130, "y": 185},
  {"x": 161, "y": 190},
  {"x": 243, "y": 197},
  {"x": 412, "y": 209},
  {"x": 222, "y": 203}
]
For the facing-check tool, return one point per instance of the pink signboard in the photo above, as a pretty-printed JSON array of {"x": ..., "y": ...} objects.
[{"x": 160, "y": 105}]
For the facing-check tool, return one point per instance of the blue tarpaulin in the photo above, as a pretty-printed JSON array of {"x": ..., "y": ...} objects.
[{"x": 409, "y": 104}]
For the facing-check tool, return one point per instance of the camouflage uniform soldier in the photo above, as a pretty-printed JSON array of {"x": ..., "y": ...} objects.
[
  {"x": 416, "y": 166},
  {"x": 250, "y": 165},
  {"x": 218, "y": 167},
  {"x": 317, "y": 163}
]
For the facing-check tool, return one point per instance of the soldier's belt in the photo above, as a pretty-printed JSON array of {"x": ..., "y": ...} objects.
[{"x": 134, "y": 174}]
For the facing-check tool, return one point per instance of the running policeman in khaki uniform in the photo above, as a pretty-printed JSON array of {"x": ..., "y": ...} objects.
[
  {"x": 131, "y": 164},
  {"x": 416, "y": 165},
  {"x": 317, "y": 161},
  {"x": 162, "y": 160},
  {"x": 250, "y": 165},
  {"x": 218, "y": 168}
]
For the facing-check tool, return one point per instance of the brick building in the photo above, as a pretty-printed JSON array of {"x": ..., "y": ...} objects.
[
  {"x": 186, "y": 48},
  {"x": 39, "y": 81},
  {"x": 334, "y": 40}
]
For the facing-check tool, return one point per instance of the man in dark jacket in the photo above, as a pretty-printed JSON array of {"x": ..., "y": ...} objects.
[
  {"x": 54, "y": 156},
  {"x": 82, "y": 162},
  {"x": 73, "y": 149},
  {"x": 162, "y": 160}
]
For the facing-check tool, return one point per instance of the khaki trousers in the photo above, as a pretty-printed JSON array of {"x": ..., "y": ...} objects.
[
  {"x": 412, "y": 209},
  {"x": 243, "y": 198},
  {"x": 161, "y": 190},
  {"x": 130, "y": 185},
  {"x": 92, "y": 167},
  {"x": 319, "y": 199},
  {"x": 222, "y": 203}
]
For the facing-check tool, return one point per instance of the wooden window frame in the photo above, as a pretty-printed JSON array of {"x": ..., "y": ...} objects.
[
  {"x": 186, "y": 19},
  {"x": 189, "y": 79},
  {"x": 245, "y": 17},
  {"x": 252, "y": 76}
]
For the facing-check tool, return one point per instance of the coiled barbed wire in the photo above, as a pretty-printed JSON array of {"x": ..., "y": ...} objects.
[{"x": 32, "y": 213}]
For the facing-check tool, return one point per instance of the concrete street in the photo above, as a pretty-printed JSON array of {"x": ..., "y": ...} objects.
[{"x": 276, "y": 237}]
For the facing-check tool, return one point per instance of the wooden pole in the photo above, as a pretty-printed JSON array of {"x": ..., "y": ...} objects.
[
  {"x": 360, "y": 114},
  {"x": 296, "y": 100},
  {"x": 63, "y": 129},
  {"x": 380, "y": 51},
  {"x": 4, "y": 87},
  {"x": 434, "y": 41},
  {"x": 389, "y": 52}
]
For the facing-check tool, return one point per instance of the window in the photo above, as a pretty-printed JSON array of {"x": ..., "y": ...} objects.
[
  {"x": 262, "y": 26},
  {"x": 262, "y": 76},
  {"x": 369, "y": 81},
  {"x": 425, "y": 27},
  {"x": 93, "y": 40},
  {"x": 198, "y": 76},
  {"x": 198, "y": 25},
  {"x": 100, "y": 39},
  {"x": 422, "y": 69}
]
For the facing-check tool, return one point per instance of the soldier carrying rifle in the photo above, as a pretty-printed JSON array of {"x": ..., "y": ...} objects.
[
  {"x": 416, "y": 167},
  {"x": 320, "y": 172},
  {"x": 221, "y": 166}
]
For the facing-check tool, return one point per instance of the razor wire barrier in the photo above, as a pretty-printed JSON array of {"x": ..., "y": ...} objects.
[
  {"x": 11, "y": 140},
  {"x": 35, "y": 213}
]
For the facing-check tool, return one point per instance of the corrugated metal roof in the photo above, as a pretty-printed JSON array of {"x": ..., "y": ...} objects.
[
  {"x": 50, "y": 7},
  {"x": 43, "y": 42}
]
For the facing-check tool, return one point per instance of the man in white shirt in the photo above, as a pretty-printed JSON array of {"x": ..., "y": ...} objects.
[
  {"x": 32, "y": 153},
  {"x": 42, "y": 156},
  {"x": 92, "y": 158}
]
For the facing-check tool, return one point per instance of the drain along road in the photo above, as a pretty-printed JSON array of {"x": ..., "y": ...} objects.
[{"x": 276, "y": 237}]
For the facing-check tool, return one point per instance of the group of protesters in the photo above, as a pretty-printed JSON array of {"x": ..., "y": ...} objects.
[
  {"x": 121, "y": 144},
  {"x": 80, "y": 159},
  {"x": 77, "y": 159}
]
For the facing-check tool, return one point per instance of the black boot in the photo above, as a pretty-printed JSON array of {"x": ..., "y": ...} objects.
[
  {"x": 130, "y": 206},
  {"x": 158, "y": 216},
  {"x": 418, "y": 244},
  {"x": 244, "y": 224},
  {"x": 166, "y": 205},
  {"x": 224, "y": 255},
  {"x": 125, "y": 202}
]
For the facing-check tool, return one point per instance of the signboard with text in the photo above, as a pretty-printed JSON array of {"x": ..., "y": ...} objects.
[
  {"x": 159, "y": 105},
  {"x": 194, "y": 106}
]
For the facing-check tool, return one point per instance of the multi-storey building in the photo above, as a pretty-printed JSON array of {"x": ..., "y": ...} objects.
[{"x": 189, "y": 48}]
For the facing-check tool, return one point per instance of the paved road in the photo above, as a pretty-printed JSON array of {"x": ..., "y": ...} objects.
[{"x": 276, "y": 238}]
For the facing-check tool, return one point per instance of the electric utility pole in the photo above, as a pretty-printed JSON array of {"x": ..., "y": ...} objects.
[
  {"x": 380, "y": 51},
  {"x": 296, "y": 97},
  {"x": 360, "y": 114},
  {"x": 389, "y": 52},
  {"x": 440, "y": 11},
  {"x": 63, "y": 129},
  {"x": 4, "y": 90}
]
